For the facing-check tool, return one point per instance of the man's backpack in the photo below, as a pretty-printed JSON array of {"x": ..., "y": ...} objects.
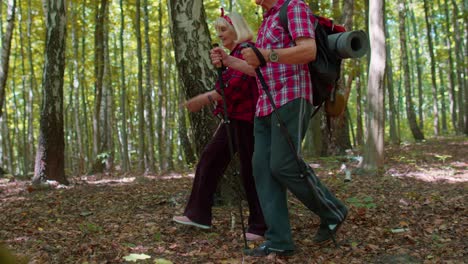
[{"x": 326, "y": 68}]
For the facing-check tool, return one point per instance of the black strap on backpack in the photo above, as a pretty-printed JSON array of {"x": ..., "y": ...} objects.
[{"x": 327, "y": 64}]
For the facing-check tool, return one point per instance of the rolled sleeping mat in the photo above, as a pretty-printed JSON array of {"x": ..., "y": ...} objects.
[{"x": 351, "y": 44}]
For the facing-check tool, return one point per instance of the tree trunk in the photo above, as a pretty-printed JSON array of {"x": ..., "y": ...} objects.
[
  {"x": 460, "y": 68},
  {"x": 161, "y": 91},
  {"x": 76, "y": 93},
  {"x": 451, "y": 75},
  {"x": 149, "y": 93},
  {"x": 123, "y": 97},
  {"x": 50, "y": 152},
  {"x": 433, "y": 69},
  {"x": 417, "y": 133},
  {"x": 99, "y": 61},
  {"x": 442, "y": 67},
  {"x": 359, "y": 112},
  {"x": 419, "y": 68},
  {"x": 374, "y": 148},
  {"x": 6, "y": 47},
  {"x": 32, "y": 85},
  {"x": 389, "y": 84},
  {"x": 142, "y": 162},
  {"x": 192, "y": 43}
]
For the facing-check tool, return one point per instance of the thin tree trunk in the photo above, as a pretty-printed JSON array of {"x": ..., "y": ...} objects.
[
  {"x": 32, "y": 85},
  {"x": 84, "y": 86},
  {"x": 161, "y": 91},
  {"x": 50, "y": 152},
  {"x": 441, "y": 68},
  {"x": 451, "y": 75},
  {"x": 99, "y": 64},
  {"x": 123, "y": 96},
  {"x": 459, "y": 66},
  {"x": 374, "y": 148},
  {"x": 417, "y": 133},
  {"x": 149, "y": 92},
  {"x": 107, "y": 112},
  {"x": 435, "y": 102},
  {"x": 6, "y": 47},
  {"x": 419, "y": 67},
  {"x": 142, "y": 163},
  {"x": 27, "y": 156},
  {"x": 359, "y": 112},
  {"x": 389, "y": 84},
  {"x": 75, "y": 88}
]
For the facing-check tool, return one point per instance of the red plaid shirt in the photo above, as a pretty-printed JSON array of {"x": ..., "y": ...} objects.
[
  {"x": 240, "y": 90},
  {"x": 286, "y": 82}
]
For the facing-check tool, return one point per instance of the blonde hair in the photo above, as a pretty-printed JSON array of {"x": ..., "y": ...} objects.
[{"x": 239, "y": 25}]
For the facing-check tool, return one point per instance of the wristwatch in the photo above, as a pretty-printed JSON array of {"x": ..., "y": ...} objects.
[{"x": 273, "y": 56}]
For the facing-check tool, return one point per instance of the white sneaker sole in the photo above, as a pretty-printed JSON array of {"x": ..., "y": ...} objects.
[{"x": 191, "y": 224}]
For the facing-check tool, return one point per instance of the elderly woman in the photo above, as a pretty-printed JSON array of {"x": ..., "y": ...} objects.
[{"x": 241, "y": 95}]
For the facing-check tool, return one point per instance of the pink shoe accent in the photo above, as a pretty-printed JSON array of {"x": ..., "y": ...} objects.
[{"x": 253, "y": 237}]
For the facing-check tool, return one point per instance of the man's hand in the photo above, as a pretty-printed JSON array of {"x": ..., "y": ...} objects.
[{"x": 251, "y": 57}]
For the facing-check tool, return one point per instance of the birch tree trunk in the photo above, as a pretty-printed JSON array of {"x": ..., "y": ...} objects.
[
  {"x": 374, "y": 148},
  {"x": 6, "y": 47},
  {"x": 50, "y": 152},
  {"x": 192, "y": 44}
]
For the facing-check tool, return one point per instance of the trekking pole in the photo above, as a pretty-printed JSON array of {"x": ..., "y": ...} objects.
[
  {"x": 303, "y": 166},
  {"x": 227, "y": 122}
]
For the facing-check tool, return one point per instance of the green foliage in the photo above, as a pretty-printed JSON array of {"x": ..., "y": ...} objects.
[
  {"x": 23, "y": 97},
  {"x": 90, "y": 228},
  {"x": 362, "y": 202}
]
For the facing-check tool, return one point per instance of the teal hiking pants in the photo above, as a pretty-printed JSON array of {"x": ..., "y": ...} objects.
[{"x": 275, "y": 171}]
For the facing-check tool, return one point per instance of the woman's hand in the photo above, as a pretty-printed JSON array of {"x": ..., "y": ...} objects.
[
  {"x": 196, "y": 103},
  {"x": 217, "y": 56}
]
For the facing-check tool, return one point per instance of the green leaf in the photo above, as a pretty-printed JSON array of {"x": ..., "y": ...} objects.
[
  {"x": 135, "y": 257},
  {"x": 162, "y": 261}
]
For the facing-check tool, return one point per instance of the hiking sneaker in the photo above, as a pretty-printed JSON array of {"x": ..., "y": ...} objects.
[
  {"x": 326, "y": 232},
  {"x": 253, "y": 237},
  {"x": 186, "y": 221},
  {"x": 264, "y": 250}
]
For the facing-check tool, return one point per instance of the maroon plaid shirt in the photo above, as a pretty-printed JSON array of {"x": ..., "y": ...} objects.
[
  {"x": 286, "y": 82},
  {"x": 240, "y": 90}
]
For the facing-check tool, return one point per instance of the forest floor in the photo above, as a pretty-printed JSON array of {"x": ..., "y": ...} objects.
[{"x": 415, "y": 211}]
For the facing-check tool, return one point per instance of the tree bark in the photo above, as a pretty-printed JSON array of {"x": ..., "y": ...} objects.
[
  {"x": 451, "y": 75},
  {"x": 123, "y": 96},
  {"x": 149, "y": 93},
  {"x": 161, "y": 92},
  {"x": 417, "y": 133},
  {"x": 142, "y": 161},
  {"x": 50, "y": 152},
  {"x": 390, "y": 89},
  {"x": 374, "y": 148},
  {"x": 192, "y": 43},
  {"x": 435, "y": 102},
  {"x": 6, "y": 47},
  {"x": 99, "y": 64}
]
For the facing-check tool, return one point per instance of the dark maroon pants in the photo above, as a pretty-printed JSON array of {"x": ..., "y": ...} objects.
[{"x": 212, "y": 164}]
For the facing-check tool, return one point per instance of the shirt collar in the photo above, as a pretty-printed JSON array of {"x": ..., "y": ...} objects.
[{"x": 275, "y": 8}]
